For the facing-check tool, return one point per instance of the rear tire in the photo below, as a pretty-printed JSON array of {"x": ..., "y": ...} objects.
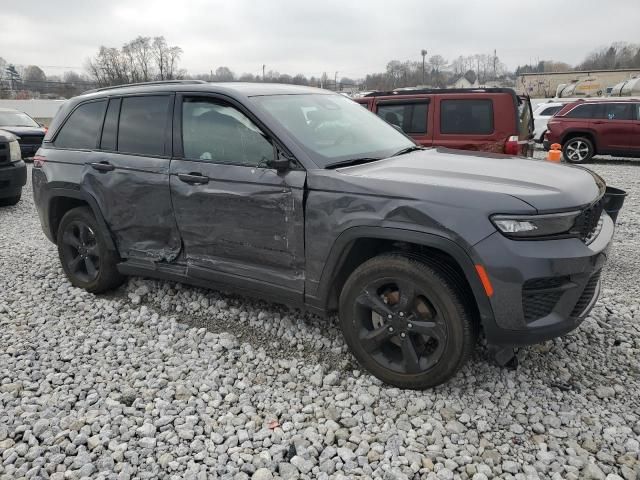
[
  {"x": 406, "y": 322},
  {"x": 578, "y": 150},
  {"x": 10, "y": 201},
  {"x": 85, "y": 257}
]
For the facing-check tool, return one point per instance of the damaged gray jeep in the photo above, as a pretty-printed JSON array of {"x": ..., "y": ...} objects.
[{"x": 301, "y": 196}]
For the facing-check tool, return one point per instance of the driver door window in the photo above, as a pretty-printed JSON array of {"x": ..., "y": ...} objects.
[{"x": 216, "y": 132}]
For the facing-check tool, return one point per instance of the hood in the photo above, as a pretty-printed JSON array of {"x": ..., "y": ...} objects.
[
  {"x": 543, "y": 185},
  {"x": 24, "y": 130}
]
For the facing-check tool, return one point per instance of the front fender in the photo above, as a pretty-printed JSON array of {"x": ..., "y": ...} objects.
[{"x": 319, "y": 299}]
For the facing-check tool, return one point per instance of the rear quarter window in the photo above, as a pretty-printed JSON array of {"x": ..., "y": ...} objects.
[
  {"x": 81, "y": 129},
  {"x": 466, "y": 117},
  {"x": 589, "y": 110}
]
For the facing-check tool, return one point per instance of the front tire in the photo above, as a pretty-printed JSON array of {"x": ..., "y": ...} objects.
[
  {"x": 578, "y": 150},
  {"x": 406, "y": 322},
  {"x": 85, "y": 257}
]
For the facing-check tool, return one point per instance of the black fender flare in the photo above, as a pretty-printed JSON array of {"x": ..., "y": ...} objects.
[
  {"x": 340, "y": 249},
  {"x": 56, "y": 192}
]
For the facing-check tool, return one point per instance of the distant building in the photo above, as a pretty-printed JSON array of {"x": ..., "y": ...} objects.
[
  {"x": 463, "y": 82},
  {"x": 593, "y": 83}
]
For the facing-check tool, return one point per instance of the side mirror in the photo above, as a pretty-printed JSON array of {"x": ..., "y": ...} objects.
[{"x": 281, "y": 163}]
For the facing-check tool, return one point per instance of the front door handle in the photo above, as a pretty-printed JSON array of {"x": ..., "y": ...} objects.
[
  {"x": 102, "y": 166},
  {"x": 193, "y": 178}
]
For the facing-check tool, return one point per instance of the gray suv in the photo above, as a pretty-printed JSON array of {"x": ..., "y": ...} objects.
[{"x": 301, "y": 196}]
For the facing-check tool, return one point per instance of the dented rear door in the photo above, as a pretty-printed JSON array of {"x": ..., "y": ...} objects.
[
  {"x": 236, "y": 215},
  {"x": 128, "y": 175}
]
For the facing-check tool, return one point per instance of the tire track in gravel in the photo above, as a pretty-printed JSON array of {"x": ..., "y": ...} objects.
[{"x": 273, "y": 345}]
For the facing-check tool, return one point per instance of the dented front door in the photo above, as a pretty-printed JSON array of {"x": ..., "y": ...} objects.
[{"x": 241, "y": 220}]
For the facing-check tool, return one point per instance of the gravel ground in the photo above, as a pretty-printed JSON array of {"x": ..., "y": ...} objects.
[{"x": 160, "y": 380}]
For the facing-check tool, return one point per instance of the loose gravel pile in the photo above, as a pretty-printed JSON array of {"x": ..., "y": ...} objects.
[{"x": 160, "y": 380}]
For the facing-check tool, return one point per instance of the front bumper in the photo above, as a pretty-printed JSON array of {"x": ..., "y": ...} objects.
[
  {"x": 12, "y": 178},
  {"x": 542, "y": 289}
]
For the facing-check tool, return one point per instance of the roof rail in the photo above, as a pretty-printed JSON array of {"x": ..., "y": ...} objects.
[
  {"x": 139, "y": 84},
  {"x": 420, "y": 91}
]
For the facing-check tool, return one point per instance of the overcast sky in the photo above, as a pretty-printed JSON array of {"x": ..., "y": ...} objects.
[{"x": 311, "y": 37}]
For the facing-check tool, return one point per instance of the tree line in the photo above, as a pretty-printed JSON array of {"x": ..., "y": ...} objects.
[{"x": 152, "y": 58}]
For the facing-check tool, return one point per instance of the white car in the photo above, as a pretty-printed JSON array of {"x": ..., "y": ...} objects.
[{"x": 541, "y": 115}]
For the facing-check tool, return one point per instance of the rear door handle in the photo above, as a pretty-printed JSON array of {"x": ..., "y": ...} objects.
[
  {"x": 102, "y": 166},
  {"x": 193, "y": 178},
  {"x": 598, "y": 123}
]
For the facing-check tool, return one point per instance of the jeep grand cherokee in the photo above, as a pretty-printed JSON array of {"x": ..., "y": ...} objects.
[{"x": 301, "y": 196}]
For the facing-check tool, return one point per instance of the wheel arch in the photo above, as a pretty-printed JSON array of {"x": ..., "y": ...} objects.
[
  {"x": 358, "y": 244},
  {"x": 588, "y": 134},
  {"x": 61, "y": 200}
]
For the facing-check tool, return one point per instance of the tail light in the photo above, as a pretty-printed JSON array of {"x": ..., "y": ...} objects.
[
  {"x": 511, "y": 146},
  {"x": 39, "y": 160}
]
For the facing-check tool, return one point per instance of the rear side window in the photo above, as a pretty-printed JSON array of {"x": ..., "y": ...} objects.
[
  {"x": 143, "y": 123},
  {"x": 619, "y": 111},
  {"x": 81, "y": 129},
  {"x": 411, "y": 117},
  {"x": 549, "y": 111},
  {"x": 589, "y": 110},
  {"x": 466, "y": 116},
  {"x": 110, "y": 129}
]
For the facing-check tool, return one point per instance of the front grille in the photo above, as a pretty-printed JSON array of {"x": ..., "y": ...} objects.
[
  {"x": 589, "y": 222},
  {"x": 30, "y": 139},
  {"x": 587, "y": 295},
  {"x": 540, "y": 296}
]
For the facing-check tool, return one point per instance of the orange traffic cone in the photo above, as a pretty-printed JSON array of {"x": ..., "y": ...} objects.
[{"x": 555, "y": 153}]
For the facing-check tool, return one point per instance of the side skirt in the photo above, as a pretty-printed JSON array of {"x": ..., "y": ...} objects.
[{"x": 210, "y": 279}]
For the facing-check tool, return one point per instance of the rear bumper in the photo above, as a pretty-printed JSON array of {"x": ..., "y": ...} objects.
[
  {"x": 12, "y": 178},
  {"x": 542, "y": 289}
]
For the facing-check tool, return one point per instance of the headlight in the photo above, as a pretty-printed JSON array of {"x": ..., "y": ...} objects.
[
  {"x": 530, "y": 226},
  {"x": 14, "y": 151}
]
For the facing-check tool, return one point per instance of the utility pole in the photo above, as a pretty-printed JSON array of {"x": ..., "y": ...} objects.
[
  {"x": 263, "y": 66},
  {"x": 335, "y": 82},
  {"x": 423, "y": 52},
  {"x": 495, "y": 58}
]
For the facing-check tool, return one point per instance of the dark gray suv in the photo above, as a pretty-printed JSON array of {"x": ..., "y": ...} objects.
[{"x": 301, "y": 196}]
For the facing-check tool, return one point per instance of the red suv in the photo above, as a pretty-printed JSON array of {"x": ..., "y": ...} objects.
[
  {"x": 589, "y": 127},
  {"x": 486, "y": 119}
]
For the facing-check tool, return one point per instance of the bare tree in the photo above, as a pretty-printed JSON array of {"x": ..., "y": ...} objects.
[{"x": 139, "y": 60}]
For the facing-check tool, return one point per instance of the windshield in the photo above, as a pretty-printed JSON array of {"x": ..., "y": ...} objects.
[
  {"x": 16, "y": 119},
  {"x": 334, "y": 129}
]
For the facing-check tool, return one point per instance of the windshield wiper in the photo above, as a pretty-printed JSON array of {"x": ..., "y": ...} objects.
[
  {"x": 352, "y": 161},
  {"x": 412, "y": 148}
]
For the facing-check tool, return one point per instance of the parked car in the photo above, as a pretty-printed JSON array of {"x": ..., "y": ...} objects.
[
  {"x": 586, "y": 128},
  {"x": 13, "y": 171},
  {"x": 541, "y": 115},
  {"x": 488, "y": 119},
  {"x": 299, "y": 195},
  {"x": 29, "y": 132}
]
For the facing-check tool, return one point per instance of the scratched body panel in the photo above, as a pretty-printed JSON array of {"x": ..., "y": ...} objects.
[
  {"x": 135, "y": 201},
  {"x": 246, "y": 221}
]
